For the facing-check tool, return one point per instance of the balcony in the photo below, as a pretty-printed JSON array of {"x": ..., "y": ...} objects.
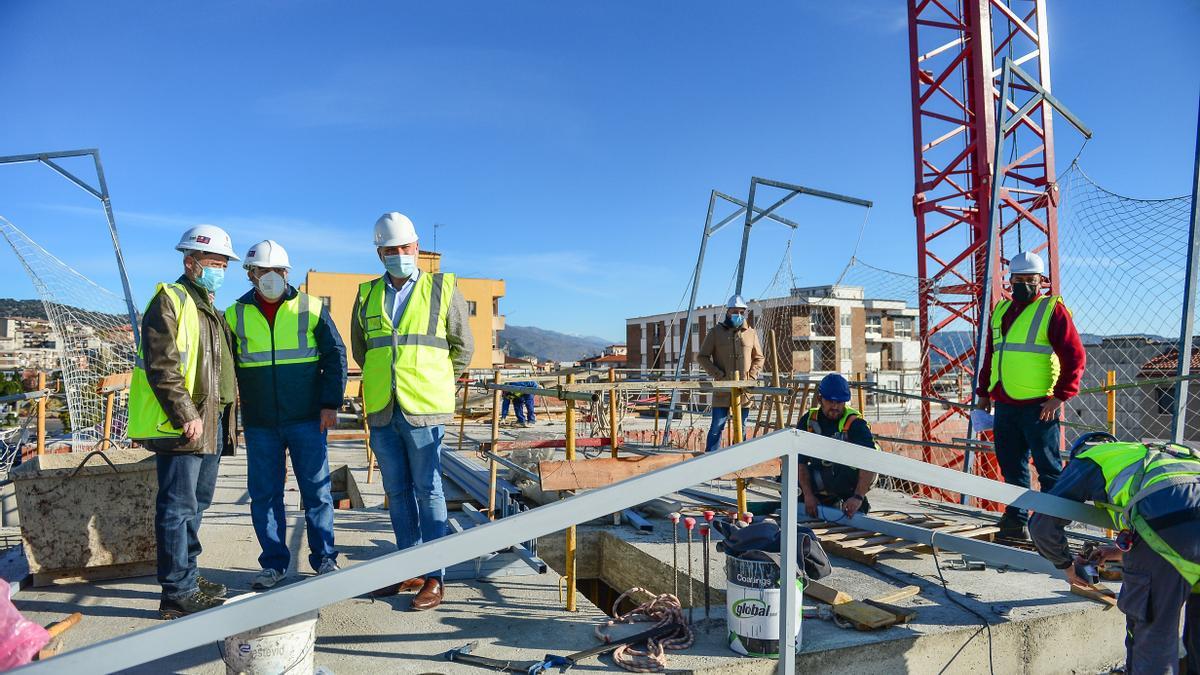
[{"x": 498, "y": 322}]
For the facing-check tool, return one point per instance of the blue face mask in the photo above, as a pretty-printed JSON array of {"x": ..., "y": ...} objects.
[
  {"x": 400, "y": 266},
  {"x": 211, "y": 278},
  {"x": 736, "y": 320}
]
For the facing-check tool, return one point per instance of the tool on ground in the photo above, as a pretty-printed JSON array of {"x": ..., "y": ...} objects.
[
  {"x": 689, "y": 524},
  {"x": 563, "y": 663},
  {"x": 663, "y": 610},
  {"x": 675, "y": 552},
  {"x": 704, "y": 539},
  {"x": 965, "y": 564}
]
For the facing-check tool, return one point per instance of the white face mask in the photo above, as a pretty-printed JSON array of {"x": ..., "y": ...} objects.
[{"x": 271, "y": 285}]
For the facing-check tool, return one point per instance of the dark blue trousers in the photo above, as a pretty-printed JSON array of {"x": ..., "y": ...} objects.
[{"x": 1020, "y": 434}]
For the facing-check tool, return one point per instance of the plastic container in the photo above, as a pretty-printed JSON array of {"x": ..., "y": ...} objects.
[
  {"x": 752, "y": 604},
  {"x": 283, "y": 647}
]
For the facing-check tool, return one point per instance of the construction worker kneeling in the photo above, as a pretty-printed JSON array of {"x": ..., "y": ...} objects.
[
  {"x": 826, "y": 483},
  {"x": 1153, "y": 495}
]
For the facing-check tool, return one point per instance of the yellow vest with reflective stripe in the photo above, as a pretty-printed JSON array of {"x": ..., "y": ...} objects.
[
  {"x": 409, "y": 361},
  {"x": 292, "y": 339},
  {"x": 1022, "y": 358},
  {"x": 814, "y": 421},
  {"x": 147, "y": 419},
  {"x": 1131, "y": 471}
]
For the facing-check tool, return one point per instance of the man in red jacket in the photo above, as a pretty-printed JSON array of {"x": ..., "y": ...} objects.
[{"x": 1032, "y": 366}]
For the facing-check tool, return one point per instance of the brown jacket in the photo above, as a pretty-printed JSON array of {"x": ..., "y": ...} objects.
[
  {"x": 728, "y": 351},
  {"x": 215, "y": 387}
]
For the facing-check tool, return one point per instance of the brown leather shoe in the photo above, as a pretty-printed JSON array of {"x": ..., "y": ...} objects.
[
  {"x": 406, "y": 586},
  {"x": 430, "y": 595}
]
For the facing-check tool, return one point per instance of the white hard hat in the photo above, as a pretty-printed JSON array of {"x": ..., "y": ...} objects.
[
  {"x": 1026, "y": 262},
  {"x": 736, "y": 302},
  {"x": 208, "y": 238},
  {"x": 394, "y": 229},
  {"x": 267, "y": 253}
]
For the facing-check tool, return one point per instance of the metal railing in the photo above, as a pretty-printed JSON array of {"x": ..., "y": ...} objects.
[{"x": 315, "y": 592}]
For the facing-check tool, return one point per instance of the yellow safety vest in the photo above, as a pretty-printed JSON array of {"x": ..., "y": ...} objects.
[
  {"x": 848, "y": 417},
  {"x": 1133, "y": 471},
  {"x": 292, "y": 339},
  {"x": 409, "y": 360},
  {"x": 1022, "y": 358},
  {"x": 147, "y": 419}
]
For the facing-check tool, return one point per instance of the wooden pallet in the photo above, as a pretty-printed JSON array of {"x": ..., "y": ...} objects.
[{"x": 864, "y": 546}]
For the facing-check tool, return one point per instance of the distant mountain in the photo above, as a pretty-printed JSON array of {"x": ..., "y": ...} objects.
[
  {"x": 549, "y": 345},
  {"x": 24, "y": 309}
]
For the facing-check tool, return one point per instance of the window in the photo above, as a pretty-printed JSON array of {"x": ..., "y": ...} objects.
[
  {"x": 326, "y": 300},
  {"x": 874, "y": 322},
  {"x": 846, "y": 318},
  {"x": 845, "y": 353},
  {"x": 472, "y": 307},
  {"x": 904, "y": 328}
]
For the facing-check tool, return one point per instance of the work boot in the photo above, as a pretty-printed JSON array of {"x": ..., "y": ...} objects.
[
  {"x": 430, "y": 595},
  {"x": 198, "y": 601},
  {"x": 211, "y": 587},
  {"x": 406, "y": 586},
  {"x": 1012, "y": 529}
]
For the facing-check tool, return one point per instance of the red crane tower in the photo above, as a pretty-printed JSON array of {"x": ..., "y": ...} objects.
[{"x": 956, "y": 50}]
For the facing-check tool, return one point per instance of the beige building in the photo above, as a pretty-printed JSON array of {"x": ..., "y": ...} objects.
[
  {"x": 339, "y": 289},
  {"x": 820, "y": 329}
]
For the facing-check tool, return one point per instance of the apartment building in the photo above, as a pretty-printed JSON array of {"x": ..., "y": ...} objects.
[{"x": 819, "y": 329}]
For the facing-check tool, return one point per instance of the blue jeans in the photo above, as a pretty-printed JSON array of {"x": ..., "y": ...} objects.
[
  {"x": 719, "y": 417},
  {"x": 1019, "y": 433},
  {"x": 410, "y": 460},
  {"x": 185, "y": 489},
  {"x": 523, "y": 408},
  {"x": 265, "y": 447}
]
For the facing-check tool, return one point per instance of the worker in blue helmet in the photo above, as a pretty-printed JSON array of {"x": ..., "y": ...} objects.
[{"x": 827, "y": 483}]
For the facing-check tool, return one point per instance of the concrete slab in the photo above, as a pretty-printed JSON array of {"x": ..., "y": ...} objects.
[{"x": 1035, "y": 625}]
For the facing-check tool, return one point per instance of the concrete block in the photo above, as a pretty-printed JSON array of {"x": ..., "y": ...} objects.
[{"x": 87, "y": 520}]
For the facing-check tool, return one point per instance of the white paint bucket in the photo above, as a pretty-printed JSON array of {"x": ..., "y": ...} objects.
[
  {"x": 752, "y": 605},
  {"x": 283, "y": 647}
]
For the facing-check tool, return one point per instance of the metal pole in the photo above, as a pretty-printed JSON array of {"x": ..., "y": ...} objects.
[
  {"x": 1179, "y": 419},
  {"x": 492, "y": 468},
  {"x": 741, "y": 270},
  {"x": 735, "y": 412},
  {"x": 1111, "y": 396},
  {"x": 612, "y": 413},
  {"x": 41, "y": 415},
  {"x": 462, "y": 421},
  {"x": 571, "y": 540},
  {"x": 112, "y": 231},
  {"x": 993, "y": 245},
  {"x": 775, "y": 382},
  {"x": 691, "y": 312},
  {"x": 789, "y": 496}
]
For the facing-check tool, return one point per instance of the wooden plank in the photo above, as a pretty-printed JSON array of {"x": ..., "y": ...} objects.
[
  {"x": 898, "y": 594},
  {"x": 1098, "y": 593},
  {"x": 502, "y": 446},
  {"x": 902, "y": 614},
  {"x": 768, "y": 469},
  {"x": 90, "y": 574},
  {"x": 849, "y": 553},
  {"x": 826, "y": 594},
  {"x": 595, "y": 473}
]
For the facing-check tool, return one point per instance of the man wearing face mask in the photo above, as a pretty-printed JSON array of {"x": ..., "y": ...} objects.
[
  {"x": 1031, "y": 367},
  {"x": 730, "y": 348},
  {"x": 409, "y": 332},
  {"x": 291, "y": 372},
  {"x": 180, "y": 407}
]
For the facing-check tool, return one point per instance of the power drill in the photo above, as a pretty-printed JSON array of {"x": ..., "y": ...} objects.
[{"x": 1085, "y": 564}]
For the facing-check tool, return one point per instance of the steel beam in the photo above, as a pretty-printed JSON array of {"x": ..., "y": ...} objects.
[
  {"x": 315, "y": 592},
  {"x": 1188, "y": 321},
  {"x": 904, "y": 468}
]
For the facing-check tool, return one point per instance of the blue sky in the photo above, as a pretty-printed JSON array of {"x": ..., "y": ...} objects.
[{"x": 568, "y": 148}]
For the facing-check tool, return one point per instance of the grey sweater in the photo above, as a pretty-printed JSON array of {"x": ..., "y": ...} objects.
[{"x": 462, "y": 346}]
